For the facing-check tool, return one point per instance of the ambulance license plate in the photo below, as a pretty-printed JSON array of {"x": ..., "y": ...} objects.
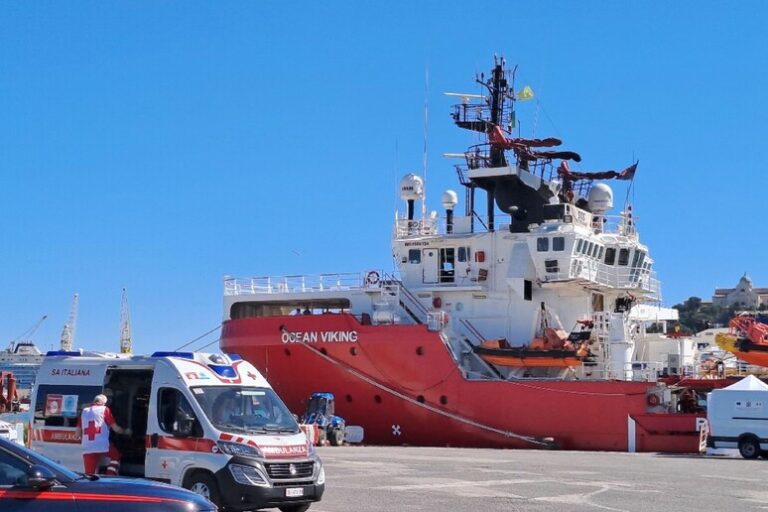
[{"x": 294, "y": 492}]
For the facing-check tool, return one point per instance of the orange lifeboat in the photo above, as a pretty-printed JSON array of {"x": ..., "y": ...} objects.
[
  {"x": 551, "y": 346},
  {"x": 498, "y": 352}
]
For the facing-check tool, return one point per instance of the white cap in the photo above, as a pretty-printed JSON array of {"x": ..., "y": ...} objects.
[{"x": 100, "y": 399}]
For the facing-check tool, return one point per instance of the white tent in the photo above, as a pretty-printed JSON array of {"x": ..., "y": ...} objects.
[{"x": 748, "y": 383}]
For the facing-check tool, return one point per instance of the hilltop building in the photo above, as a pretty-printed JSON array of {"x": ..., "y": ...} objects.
[{"x": 745, "y": 295}]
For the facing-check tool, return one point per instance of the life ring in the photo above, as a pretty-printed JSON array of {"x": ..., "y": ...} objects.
[
  {"x": 653, "y": 400},
  {"x": 372, "y": 278}
]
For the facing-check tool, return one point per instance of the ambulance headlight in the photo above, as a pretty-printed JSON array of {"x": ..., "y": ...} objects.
[
  {"x": 321, "y": 476},
  {"x": 311, "y": 451},
  {"x": 247, "y": 475},
  {"x": 243, "y": 450}
]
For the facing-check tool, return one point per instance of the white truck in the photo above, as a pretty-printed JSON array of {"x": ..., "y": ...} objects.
[
  {"x": 208, "y": 422},
  {"x": 738, "y": 418}
]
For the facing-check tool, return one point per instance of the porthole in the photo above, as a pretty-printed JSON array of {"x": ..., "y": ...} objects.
[
  {"x": 377, "y": 399},
  {"x": 420, "y": 399},
  {"x": 420, "y": 351},
  {"x": 288, "y": 352},
  {"x": 443, "y": 399}
]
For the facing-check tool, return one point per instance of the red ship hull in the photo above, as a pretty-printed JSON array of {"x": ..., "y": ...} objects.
[{"x": 401, "y": 384}]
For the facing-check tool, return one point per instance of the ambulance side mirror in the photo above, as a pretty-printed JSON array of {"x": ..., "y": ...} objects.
[{"x": 40, "y": 477}]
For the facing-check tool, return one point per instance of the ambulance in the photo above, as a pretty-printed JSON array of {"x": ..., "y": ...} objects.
[{"x": 210, "y": 423}]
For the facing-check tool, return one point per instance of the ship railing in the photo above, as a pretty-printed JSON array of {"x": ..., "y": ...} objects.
[
  {"x": 479, "y": 157},
  {"x": 300, "y": 283},
  {"x": 639, "y": 278},
  {"x": 409, "y": 301}
]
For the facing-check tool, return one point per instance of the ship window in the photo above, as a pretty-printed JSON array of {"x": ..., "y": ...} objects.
[
  {"x": 588, "y": 248},
  {"x": 60, "y": 406},
  {"x": 623, "y": 257},
  {"x": 594, "y": 251},
  {"x": 447, "y": 262},
  {"x": 610, "y": 256},
  {"x": 414, "y": 256},
  {"x": 551, "y": 266},
  {"x": 558, "y": 243},
  {"x": 464, "y": 254},
  {"x": 600, "y": 253},
  {"x": 527, "y": 290},
  {"x": 579, "y": 245},
  {"x": 542, "y": 244},
  {"x": 285, "y": 308}
]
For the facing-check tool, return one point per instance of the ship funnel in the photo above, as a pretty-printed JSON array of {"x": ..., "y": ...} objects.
[
  {"x": 449, "y": 200},
  {"x": 411, "y": 189},
  {"x": 600, "y": 198}
]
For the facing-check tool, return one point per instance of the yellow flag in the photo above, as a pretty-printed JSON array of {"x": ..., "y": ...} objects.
[{"x": 525, "y": 94}]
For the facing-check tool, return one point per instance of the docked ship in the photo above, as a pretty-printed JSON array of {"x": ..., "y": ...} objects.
[
  {"x": 22, "y": 361},
  {"x": 519, "y": 323}
]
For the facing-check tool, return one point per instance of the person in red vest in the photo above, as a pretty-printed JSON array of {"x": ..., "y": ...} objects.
[{"x": 95, "y": 423}]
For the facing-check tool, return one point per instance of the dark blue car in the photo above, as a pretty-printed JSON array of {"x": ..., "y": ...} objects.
[{"x": 30, "y": 482}]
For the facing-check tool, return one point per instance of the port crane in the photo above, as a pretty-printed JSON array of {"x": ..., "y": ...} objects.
[
  {"x": 126, "y": 345},
  {"x": 26, "y": 336},
  {"x": 68, "y": 333}
]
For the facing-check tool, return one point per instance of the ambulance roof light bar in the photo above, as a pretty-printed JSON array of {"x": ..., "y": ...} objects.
[{"x": 184, "y": 355}]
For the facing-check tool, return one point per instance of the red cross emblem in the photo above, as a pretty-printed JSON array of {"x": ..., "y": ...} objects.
[
  {"x": 251, "y": 375},
  {"x": 92, "y": 430},
  {"x": 164, "y": 464}
]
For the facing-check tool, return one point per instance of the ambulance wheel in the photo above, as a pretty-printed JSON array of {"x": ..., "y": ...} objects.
[
  {"x": 749, "y": 447},
  {"x": 204, "y": 485},
  {"x": 295, "y": 508},
  {"x": 337, "y": 437}
]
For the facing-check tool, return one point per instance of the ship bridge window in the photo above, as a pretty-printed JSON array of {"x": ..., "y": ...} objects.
[
  {"x": 579, "y": 243},
  {"x": 464, "y": 254},
  {"x": 623, "y": 257},
  {"x": 600, "y": 253},
  {"x": 610, "y": 256},
  {"x": 595, "y": 249},
  {"x": 542, "y": 244},
  {"x": 285, "y": 308},
  {"x": 414, "y": 256},
  {"x": 551, "y": 266},
  {"x": 588, "y": 248},
  {"x": 447, "y": 263},
  {"x": 558, "y": 243}
]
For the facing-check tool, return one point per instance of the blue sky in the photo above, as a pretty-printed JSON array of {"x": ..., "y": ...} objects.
[{"x": 158, "y": 146}]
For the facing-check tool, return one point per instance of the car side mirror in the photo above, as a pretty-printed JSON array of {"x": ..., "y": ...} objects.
[{"x": 40, "y": 478}]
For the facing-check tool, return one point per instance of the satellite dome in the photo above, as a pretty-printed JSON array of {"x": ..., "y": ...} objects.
[
  {"x": 600, "y": 198},
  {"x": 450, "y": 199},
  {"x": 411, "y": 187}
]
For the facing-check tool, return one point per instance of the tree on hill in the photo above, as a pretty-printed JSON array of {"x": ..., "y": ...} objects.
[{"x": 696, "y": 315}]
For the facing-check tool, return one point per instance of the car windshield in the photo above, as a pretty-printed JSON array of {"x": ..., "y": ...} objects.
[
  {"x": 245, "y": 409},
  {"x": 62, "y": 473}
]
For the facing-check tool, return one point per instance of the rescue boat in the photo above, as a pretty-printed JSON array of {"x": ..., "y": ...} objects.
[
  {"x": 747, "y": 339},
  {"x": 413, "y": 353}
]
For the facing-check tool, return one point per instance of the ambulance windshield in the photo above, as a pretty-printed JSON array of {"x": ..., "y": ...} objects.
[{"x": 245, "y": 409}]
